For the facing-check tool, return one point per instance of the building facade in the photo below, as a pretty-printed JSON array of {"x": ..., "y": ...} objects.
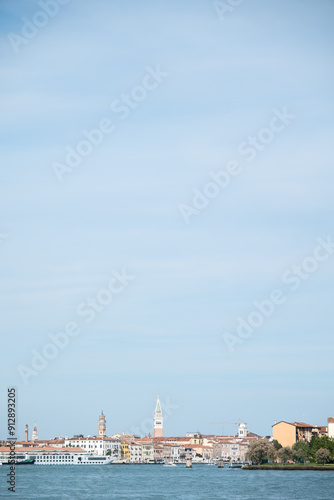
[
  {"x": 125, "y": 451},
  {"x": 147, "y": 452},
  {"x": 135, "y": 453},
  {"x": 96, "y": 445},
  {"x": 289, "y": 433}
]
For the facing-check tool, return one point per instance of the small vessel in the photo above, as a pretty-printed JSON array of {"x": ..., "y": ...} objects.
[
  {"x": 169, "y": 464},
  {"x": 27, "y": 461},
  {"x": 236, "y": 465}
]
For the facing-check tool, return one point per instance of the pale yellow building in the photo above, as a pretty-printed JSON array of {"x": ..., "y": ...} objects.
[
  {"x": 147, "y": 452},
  {"x": 125, "y": 451},
  {"x": 196, "y": 439},
  {"x": 287, "y": 433}
]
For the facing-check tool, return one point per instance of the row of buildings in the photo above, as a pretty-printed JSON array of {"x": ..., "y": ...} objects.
[
  {"x": 125, "y": 448},
  {"x": 149, "y": 449},
  {"x": 158, "y": 448}
]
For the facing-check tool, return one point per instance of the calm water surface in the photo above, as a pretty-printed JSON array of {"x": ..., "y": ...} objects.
[{"x": 155, "y": 482}]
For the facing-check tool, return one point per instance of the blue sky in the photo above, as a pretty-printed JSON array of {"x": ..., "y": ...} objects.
[{"x": 120, "y": 209}]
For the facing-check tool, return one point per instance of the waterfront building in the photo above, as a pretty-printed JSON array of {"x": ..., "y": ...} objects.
[
  {"x": 96, "y": 445},
  {"x": 287, "y": 433},
  {"x": 176, "y": 452},
  {"x": 234, "y": 449},
  {"x": 190, "y": 451},
  {"x": 158, "y": 420},
  {"x": 113, "y": 446},
  {"x": 135, "y": 453},
  {"x": 125, "y": 451},
  {"x": 199, "y": 453},
  {"x": 101, "y": 426},
  {"x": 167, "y": 452},
  {"x": 173, "y": 452},
  {"x": 147, "y": 450},
  {"x": 158, "y": 452}
]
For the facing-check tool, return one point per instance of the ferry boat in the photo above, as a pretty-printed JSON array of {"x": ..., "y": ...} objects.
[
  {"x": 71, "y": 459},
  {"x": 41, "y": 458}
]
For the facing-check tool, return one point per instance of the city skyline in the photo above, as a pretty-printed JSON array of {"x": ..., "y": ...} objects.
[{"x": 153, "y": 427}]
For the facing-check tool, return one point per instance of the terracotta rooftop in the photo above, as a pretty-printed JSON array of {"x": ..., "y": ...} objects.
[
  {"x": 45, "y": 449},
  {"x": 296, "y": 424},
  {"x": 302, "y": 424}
]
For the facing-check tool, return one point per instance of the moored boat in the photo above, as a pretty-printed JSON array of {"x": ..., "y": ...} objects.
[
  {"x": 27, "y": 461},
  {"x": 40, "y": 458},
  {"x": 72, "y": 459}
]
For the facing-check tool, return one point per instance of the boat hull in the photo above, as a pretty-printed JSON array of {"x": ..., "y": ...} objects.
[{"x": 20, "y": 462}]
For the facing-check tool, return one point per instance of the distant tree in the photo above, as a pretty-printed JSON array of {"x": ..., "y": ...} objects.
[
  {"x": 260, "y": 450},
  {"x": 285, "y": 454},
  {"x": 302, "y": 445},
  {"x": 108, "y": 453},
  {"x": 299, "y": 455},
  {"x": 272, "y": 453},
  {"x": 301, "y": 451},
  {"x": 325, "y": 442},
  {"x": 276, "y": 445},
  {"x": 322, "y": 456}
]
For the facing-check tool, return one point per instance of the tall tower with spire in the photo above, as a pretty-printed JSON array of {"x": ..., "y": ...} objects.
[
  {"x": 101, "y": 426},
  {"x": 26, "y": 437},
  {"x": 34, "y": 436},
  {"x": 158, "y": 420}
]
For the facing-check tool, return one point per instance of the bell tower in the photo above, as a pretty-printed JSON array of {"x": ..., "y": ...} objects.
[
  {"x": 34, "y": 436},
  {"x": 242, "y": 430},
  {"x": 158, "y": 420},
  {"x": 101, "y": 426}
]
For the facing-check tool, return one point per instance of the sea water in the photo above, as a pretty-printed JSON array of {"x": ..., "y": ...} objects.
[{"x": 155, "y": 482}]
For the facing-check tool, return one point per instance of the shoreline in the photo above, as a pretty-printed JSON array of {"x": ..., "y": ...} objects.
[{"x": 289, "y": 467}]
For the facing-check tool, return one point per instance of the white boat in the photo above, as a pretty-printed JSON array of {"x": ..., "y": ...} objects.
[
  {"x": 169, "y": 464},
  {"x": 236, "y": 465},
  {"x": 70, "y": 459}
]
